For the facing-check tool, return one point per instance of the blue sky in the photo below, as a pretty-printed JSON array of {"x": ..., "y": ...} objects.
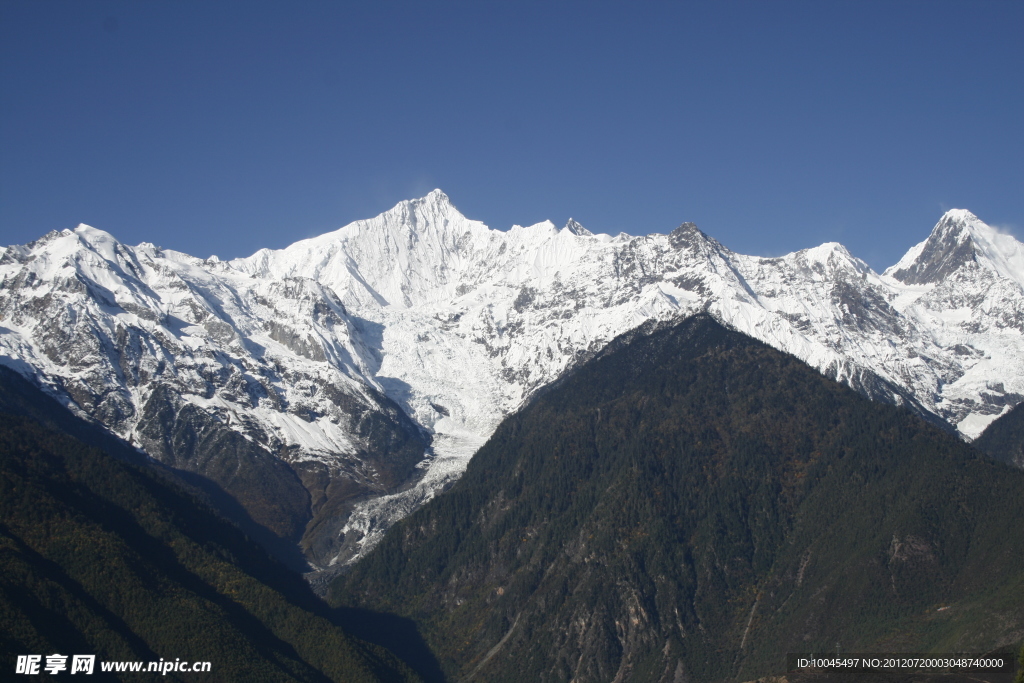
[{"x": 223, "y": 127}]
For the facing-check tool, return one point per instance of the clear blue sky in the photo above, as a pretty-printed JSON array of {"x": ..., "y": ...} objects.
[{"x": 223, "y": 127}]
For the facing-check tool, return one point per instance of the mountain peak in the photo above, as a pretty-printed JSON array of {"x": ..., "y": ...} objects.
[
  {"x": 423, "y": 211},
  {"x": 91, "y": 234},
  {"x": 957, "y": 239},
  {"x": 435, "y": 196},
  {"x": 689, "y": 236},
  {"x": 435, "y": 200},
  {"x": 575, "y": 228},
  {"x": 958, "y": 215},
  {"x": 949, "y": 247},
  {"x": 959, "y": 225}
]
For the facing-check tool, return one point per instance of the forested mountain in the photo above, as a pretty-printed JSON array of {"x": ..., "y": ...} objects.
[
  {"x": 692, "y": 504},
  {"x": 1004, "y": 438},
  {"x": 331, "y": 387},
  {"x": 101, "y": 556}
]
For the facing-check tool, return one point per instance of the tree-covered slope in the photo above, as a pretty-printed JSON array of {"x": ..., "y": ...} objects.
[
  {"x": 1004, "y": 438},
  {"x": 691, "y": 505},
  {"x": 99, "y": 556}
]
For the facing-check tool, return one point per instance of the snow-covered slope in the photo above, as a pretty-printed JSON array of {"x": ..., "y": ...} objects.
[
  {"x": 262, "y": 386},
  {"x": 455, "y": 324},
  {"x": 964, "y": 286}
]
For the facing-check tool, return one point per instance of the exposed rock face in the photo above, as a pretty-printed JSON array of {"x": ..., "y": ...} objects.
[
  {"x": 384, "y": 353},
  {"x": 948, "y": 249},
  {"x": 255, "y": 385}
]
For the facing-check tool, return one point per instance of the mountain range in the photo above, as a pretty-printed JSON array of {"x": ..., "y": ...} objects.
[
  {"x": 691, "y": 505},
  {"x": 330, "y": 388}
]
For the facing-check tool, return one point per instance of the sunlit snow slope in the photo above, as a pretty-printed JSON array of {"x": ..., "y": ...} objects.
[{"x": 342, "y": 354}]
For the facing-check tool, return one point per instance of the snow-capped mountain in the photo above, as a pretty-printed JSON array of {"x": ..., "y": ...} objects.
[
  {"x": 339, "y": 358},
  {"x": 262, "y": 386},
  {"x": 963, "y": 285}
]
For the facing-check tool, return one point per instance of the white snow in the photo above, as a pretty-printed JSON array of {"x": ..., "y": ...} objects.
[{"x": 459, "y": 324}]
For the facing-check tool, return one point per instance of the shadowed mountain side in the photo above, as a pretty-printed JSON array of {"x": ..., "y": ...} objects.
[
  {"x": 19, "y": 396},
  {"x": 293, "y": 504},
  {"x": 691, "y": 505},
  {"x": 102, "y": 557},
  {"x": 396, "y": 634},
  {"x": 1004, "y": 438}
]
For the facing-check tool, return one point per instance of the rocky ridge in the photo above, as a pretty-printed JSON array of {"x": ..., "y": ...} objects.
[{"x": 352, "y": 375}]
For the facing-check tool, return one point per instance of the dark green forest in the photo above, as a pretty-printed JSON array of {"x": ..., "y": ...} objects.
[
  {"x": 689, "y": 506},
  {"x": 101, "y": 556},
  {"x": 1004, "y": 438},
  {"x": 692, "y": 504}
]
